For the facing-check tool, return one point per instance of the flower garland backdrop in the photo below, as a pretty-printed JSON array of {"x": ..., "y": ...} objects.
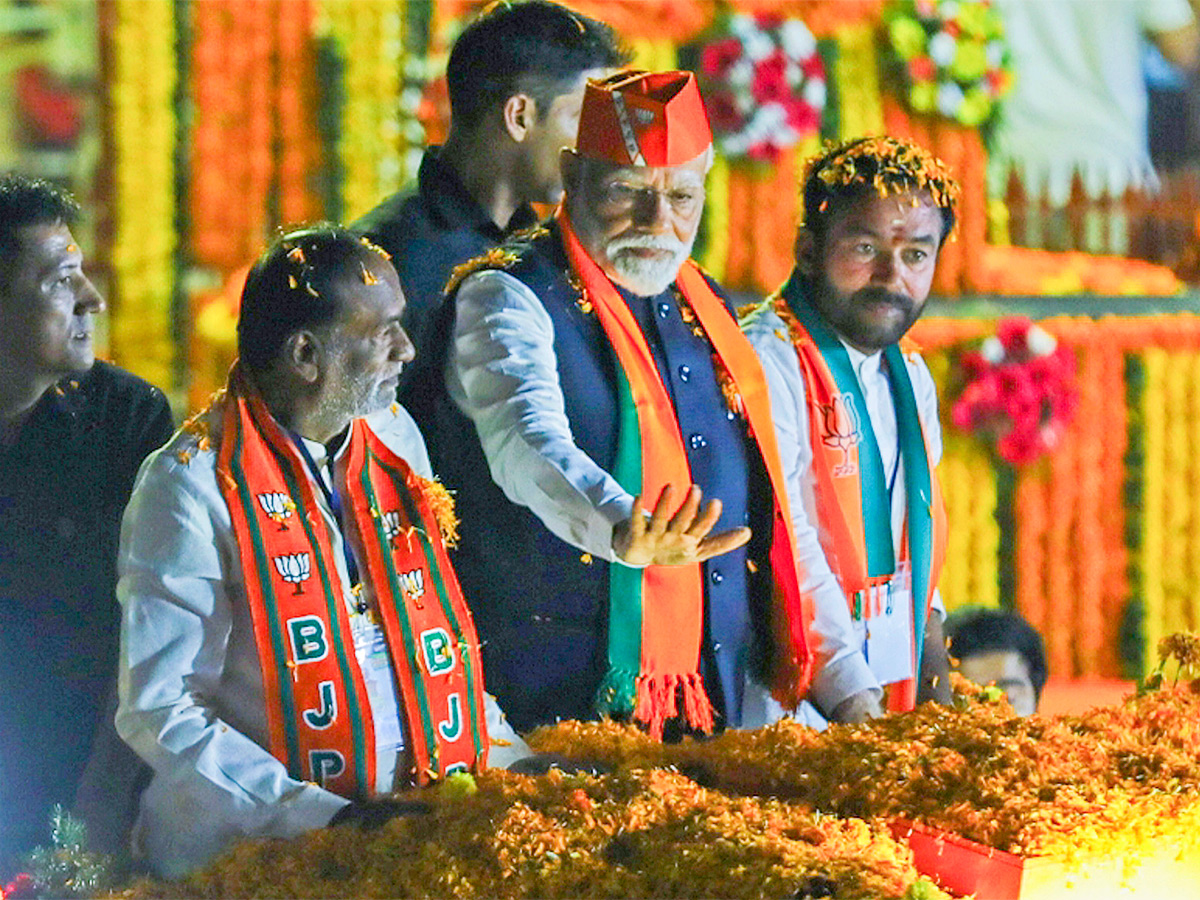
[{"x": 138, "y": 64}]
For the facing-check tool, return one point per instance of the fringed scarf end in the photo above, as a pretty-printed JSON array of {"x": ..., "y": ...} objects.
[{"x": 658, "y": 702}]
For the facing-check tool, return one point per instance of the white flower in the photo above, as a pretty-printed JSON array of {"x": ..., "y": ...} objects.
[
  {"x": 794, "y": 75},
  {"x": 995, "y": 53},
  {"x": 941, "y": 48},
  {"x": 1039, "y": 341},
  {"x": 758, "y": 46},
  {"x": 947, "y": 10},
  {"x": 742, "y": 26},
  {"x": 992, "y": 350},
  {"x": 772, "y": 115},
  {"x": 814, "y": 92},
  {"x": 797, "y": 40},
  {"x": 949, "y": 99},
  {"x": 741, "y": 74}
]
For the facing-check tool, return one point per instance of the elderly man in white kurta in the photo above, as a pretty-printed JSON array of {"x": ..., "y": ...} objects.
[{"x": 281, "y": 560}]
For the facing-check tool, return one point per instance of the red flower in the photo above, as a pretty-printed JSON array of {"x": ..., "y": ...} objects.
[
  {"x": 723, "y": 113},
  {"x": 768, "y": 21},
  {"x": 718, "y": 56},
  {"x": 1013, "y": 333},
  {"x": 922, "y": 68},
  {"x": 770, "y": 79},
  {"x": 764, "y": 151},
  {"x": 813, "y": 67},
  {"x": 802, "y": 116},
  {"x": 952, "y": 28}
]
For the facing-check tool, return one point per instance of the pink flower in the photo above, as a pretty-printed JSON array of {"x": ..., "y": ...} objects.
[
  {"x": 20, "y": 888},
  {"x": 802, "y": 116},
  {"x": 718, "y": 56},
  {"x": 770, "y": 79}
]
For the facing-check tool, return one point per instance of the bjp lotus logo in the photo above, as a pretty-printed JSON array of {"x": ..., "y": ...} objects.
[
  {"x": 413, "y": 583},
  {"x": 391, "y": 524},
  {"x": 839, "y": 426},
  {"x": 294, "y": 568},
  {"x": 278, "y": 506}
]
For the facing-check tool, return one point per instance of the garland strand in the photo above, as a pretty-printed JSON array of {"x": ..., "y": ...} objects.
[{"x": 139, "y": 59}]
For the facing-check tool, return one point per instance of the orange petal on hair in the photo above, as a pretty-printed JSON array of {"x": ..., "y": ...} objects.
[
  {"x": 296, "y": 255},
  {"x": 368, "y": 276}
]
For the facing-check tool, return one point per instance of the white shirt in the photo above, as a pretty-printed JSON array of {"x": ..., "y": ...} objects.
[
  {"x": 1079, "y": 103},
  {"x": 191, "y": 692},
  {"x": 842, "y": 667},
  {"x": 502, "y": 372}
]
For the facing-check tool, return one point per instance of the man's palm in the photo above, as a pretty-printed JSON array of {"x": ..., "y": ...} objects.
[{"x": 665, "y": 540}]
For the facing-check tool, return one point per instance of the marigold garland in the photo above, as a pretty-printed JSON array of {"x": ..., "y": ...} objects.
[
  {"x": 138, "y": 53},
  {"x": 373, "y": 137},
  {"x": 650, "y": 833},
  {"x": 1069, "y": 512},
  {"x": 1114, "y": 781}
]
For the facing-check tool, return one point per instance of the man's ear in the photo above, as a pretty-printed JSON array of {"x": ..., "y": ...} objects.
[
  {"x": 302, "y": 353},
  {"x": 805, "y": 251},
  {"x": 520, "y": 115}
]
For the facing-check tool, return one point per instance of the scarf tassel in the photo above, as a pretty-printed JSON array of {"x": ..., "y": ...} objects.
[{"x": 657, "y": 702}]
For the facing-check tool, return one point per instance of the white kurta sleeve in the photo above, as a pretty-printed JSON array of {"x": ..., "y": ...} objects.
[
  {"x": 841, "y": 669},
  {"x": 503, "y": 374},
  {"x": 213, "y": 784}
]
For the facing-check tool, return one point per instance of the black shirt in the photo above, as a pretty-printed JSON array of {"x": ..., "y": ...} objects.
[
  {"x": 64, "y": 481},
  {"x": 429, "y": 229}
]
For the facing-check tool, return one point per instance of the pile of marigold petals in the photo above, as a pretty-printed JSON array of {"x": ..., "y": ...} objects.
[
  {"x": 636, "y": 833},
  {"x": 1108, "y": 781}
]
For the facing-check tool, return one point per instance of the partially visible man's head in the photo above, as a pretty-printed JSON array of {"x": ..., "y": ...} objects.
[
  {"x": 47, "y": 304},
  {"x": 993, "y": 646},
  {"x": 876, "y": 213},
  {"x": 635, "y": 184},
  {"x": 323, "y": 306},
  {"x": 541, "y": 54}
]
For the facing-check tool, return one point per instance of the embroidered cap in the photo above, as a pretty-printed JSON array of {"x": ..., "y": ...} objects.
[{"x": 643, "y": 119}]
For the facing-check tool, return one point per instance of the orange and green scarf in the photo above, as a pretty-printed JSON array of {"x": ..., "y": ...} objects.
[
  {"x": 853, "y": 501},
  {"x": 318, "y": 716},
  {"x": 656, "y": 614}
]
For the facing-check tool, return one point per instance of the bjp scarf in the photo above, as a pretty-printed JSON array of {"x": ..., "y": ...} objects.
[
  {"x": 656, "y": 614},
  {"x": 853, "y": 501},
  {"x": 318, "y": 716}
]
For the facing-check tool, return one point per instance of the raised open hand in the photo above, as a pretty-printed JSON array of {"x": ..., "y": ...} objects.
[{"x": 663, "y": 539}]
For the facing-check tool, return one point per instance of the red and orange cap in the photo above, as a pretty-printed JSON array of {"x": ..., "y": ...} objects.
[{"x": 637, "y": 118}]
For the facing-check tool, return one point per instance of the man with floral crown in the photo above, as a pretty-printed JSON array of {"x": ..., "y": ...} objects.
[
  {"x": 608, "y": 393},
  {"x": 856, "y": 422},
  {"x": 295, "y": 645}
]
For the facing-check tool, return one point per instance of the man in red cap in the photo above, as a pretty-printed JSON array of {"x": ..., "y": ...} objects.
[{"x": 605, "y": 376}]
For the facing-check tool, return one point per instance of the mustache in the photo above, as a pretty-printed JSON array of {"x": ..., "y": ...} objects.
[
  {"x": 663, "y": 242},
  {"x": 883, "y": 295}
]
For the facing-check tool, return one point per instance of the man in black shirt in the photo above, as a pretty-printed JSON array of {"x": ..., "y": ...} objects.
[
  {"x": 516, "y": 76},
  {"x": 72, "y": 435}
]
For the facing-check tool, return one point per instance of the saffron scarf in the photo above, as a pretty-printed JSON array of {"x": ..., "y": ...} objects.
[
  {"x": 318, "y": 715},
  {"x": 656, "y": 614},
  {"x": 853, "y": 500}
]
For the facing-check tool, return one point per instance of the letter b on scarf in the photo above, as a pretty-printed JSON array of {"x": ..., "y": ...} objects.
[
  {"x": 308, "y": 639},
  {"x": 439, "y": 655}
]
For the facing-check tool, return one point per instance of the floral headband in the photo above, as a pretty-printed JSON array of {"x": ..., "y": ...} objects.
[{"x": 888, "y": 164}]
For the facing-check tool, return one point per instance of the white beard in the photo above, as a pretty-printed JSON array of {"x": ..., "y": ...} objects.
[{"x": 647, "y": 277}]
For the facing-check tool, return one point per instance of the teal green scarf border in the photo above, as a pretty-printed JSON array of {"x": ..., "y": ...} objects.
[{"x": 618, "y": 690}]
